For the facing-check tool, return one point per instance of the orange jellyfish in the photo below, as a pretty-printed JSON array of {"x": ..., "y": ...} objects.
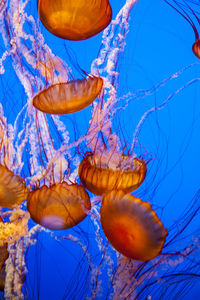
[
  {"x": 68, "y": 97},
  {"x": 59, "y": 206},
  {"x": 13, "y": 189},
  {"x": 196, "y": 48},
  {"x": 98, "y": 178},
  {"x": 75, "y": 20},
  {"x": 131, "y": 226}
]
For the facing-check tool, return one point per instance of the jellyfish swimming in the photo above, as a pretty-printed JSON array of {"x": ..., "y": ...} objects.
[
  {"x": 69, "y": 97},
  {"x": 135, "y": 233},
  {"x": 75, "y": 21},
  {"x": 189, "y": 10},
  {"x": 60, "y": 206},
  {"x": 98, "y": 178},
  {"x": 13, "y": 189},
  {"x": 131, "y": 226}
]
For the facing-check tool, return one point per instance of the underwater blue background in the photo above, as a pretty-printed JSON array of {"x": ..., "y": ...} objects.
[{"x": 159, "y": 44}]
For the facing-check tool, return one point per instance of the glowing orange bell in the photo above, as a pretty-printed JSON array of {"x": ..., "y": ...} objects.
[
  {"x": 75, "y": 19},
  {"x": 131, "y": 226},
  {"x": 99, "y": 179},
  {"x": 196, "y": 48},
  {"x": 13, "y": 189},
  {"x": 68, "y": 97},
  {"x": 60, "y": 206}
]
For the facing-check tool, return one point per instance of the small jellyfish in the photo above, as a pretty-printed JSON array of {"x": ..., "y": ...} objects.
[
  {"x": 196, "y": 48},
  {"x": 131, "y": 226},
  {"x": 68, "y": 97},
  {"x": 59, "y": 206},
  {"x": 13, "y": 190},
  {"x": 98, "y": 178},
  {"x": 75, "y": 20}
]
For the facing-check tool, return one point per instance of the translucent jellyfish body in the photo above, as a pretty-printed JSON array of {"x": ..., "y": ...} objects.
[
  {"x": 68, "y": 97},
  {"x": 60, "y": 206},
  {"x": 75, "y": 20},
  {"x": 131, "y": 226},
  {"x": 196, "y": 48},
  {"x": 98, "y": 178},
  {"x": 13, "y": 189}
]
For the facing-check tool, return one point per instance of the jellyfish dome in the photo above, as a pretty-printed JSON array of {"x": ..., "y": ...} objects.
[
  {"x": 98, "y": 178},
  {"x": 13, "y": 189},
  {"x": 60, "y": 206},
  {"x": 68, "y": 97},
  {"x": 196, "y": 48},
  {"x": 131, "y": 226},
  {"x": 75, "y": 20}
]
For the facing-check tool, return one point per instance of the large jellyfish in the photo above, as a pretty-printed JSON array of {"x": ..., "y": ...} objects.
[
  {"x": 68, "y": 97},
  {"x": 75, "y": 20},
  {"x": 98, "y": 177},
  {"x": 139, "y": 136},
  {"x": 58, "y": 207}
]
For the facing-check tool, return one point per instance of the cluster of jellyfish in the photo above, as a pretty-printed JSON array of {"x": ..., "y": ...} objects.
[{"x": 48, "y": 183}]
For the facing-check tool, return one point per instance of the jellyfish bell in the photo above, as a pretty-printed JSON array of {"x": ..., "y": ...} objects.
[
  {"x": 13, "y": 190},
  {"x": 196, "y": 48},
  {"x": 68, "y": 97},
  {"x": 131, "y": 226},
  {"x": 75, "y": 20},
  {"x": 96, "y": 175},
  {"x": 60, "y": 206}
]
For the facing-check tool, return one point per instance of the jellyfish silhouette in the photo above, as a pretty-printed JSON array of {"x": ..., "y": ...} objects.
[
  {"x": 78, "y": 20},
  {"x": 147, "y": 115}
]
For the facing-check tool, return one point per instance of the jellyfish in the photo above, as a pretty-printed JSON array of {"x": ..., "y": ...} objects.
[
  {"x": 75, "y": 21},
  {"x": 52, "y": 87},
  {"x": 60, "y": 206},
  {"x": 127, "y": 128},
  {"x": 189, "y": 11},
  {"x": 13, "y": 190},
  {"x": 131, "y": 226},
  {"x": 69, "y": 97},
  {"x": 98, "y": 178}
]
